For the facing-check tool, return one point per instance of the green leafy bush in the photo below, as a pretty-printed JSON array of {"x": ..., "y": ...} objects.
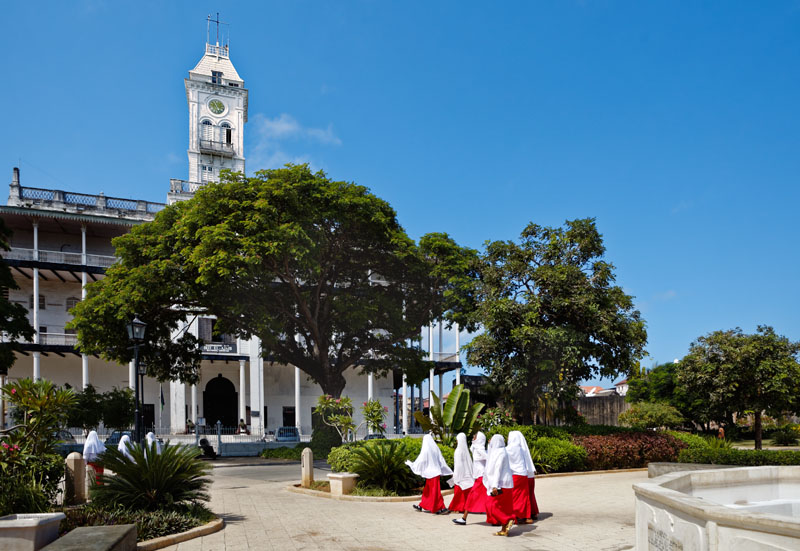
[
  {"x": 628, "y": 451},
  {"x": 744, "y": 458},
  {"x": 717, "y": 443},
  {"x": 152, "y": 481},
  {"x": 530, "y": 432},
  {"x": 293, "y": 453},
  {"x": 323, "y": 439},
  {"x": 381, "y": 464},
  {"x": 785, "y": 436},
  {"x": 341, "y": 458},
  {"x": 691, "y": 440},
  {"x": 557, "y": 455},
  {"x": 149, "y": 524},
  {"x": 651, "y": 415},
  {"x": 596, "y": 430}
]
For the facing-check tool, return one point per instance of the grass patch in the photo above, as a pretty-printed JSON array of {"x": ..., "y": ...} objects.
[
  {"x": 374, "y": 491},
  {"x": 321, "y": 486},
  {"x": 149, "y": 524}
]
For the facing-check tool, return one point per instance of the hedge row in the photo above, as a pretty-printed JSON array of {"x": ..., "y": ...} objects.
[
  {"x": 629, "y": 450},
  {"x": 744, "y": 458}
]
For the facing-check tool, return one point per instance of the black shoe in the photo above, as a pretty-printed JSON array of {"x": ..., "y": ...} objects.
[
  {"x": 444, "y": 511},
  {"x": 417, "y": 507},
  {"x": 460, "y": 521}
]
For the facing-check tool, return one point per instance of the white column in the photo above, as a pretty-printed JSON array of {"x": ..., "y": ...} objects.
[
  {"x": 84, "y": 357},
  {"x": 370, "y": 385},
  {"x": 37, "y": 366},
  {"x": 242, "y": 383},
  {"x": 441, "y": 386},
  {"x": 430, "y": 375},
  {"x": 405, "y": 406},
  {"x": 297, "y": 398},
  {"x": 258, "y": 423},
  {"x": 131, "y": 375},
  {"x": 177, "y": 407},
  {"x": 458, "y": 354},
  {"x": 193, "y": 412}
]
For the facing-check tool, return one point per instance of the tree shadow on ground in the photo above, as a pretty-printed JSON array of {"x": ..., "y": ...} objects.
[
  {"x": 231, "y": 518},
  {"x": 543, "y": 516}
]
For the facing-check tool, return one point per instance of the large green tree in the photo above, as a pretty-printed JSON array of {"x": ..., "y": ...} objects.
[
  {"x": 551, "y": 314},
  {"x": 320, "y": 270},
  {"x": 13, "y": 317},
  {"x": 660, "y": 385},
  {"x": 743, "y": 373}
]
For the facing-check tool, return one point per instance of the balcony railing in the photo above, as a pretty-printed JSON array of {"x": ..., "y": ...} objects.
[
  {"x": 58, "y": 339},
  {"x": 213, "y": 146},
  {"x": 81, "y": 201},
  {"x": 59, "y": 257},
  {"x": 183, "y": 186}
]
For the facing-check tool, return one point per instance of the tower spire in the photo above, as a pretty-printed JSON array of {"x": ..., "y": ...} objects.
[{"x": 220, "y": 45}]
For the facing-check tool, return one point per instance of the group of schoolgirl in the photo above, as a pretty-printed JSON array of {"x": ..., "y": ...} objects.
[
  {"x": 498, "y": 481},
  {"x": 93, "y": 448}
]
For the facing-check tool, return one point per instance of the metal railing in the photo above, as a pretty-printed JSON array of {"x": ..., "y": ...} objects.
[
  {"x": 59, "y": 257},
  {"x": 221, "y": 51},
  {"x": 86, "y": 201}
]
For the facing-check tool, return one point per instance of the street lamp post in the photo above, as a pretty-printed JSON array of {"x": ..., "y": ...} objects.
[{"x": 136, "y": 330}]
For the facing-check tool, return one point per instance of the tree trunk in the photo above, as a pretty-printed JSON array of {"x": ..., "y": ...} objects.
[
  {"x": 333, "y": 385},
  {"x": 757, "y": 429}
]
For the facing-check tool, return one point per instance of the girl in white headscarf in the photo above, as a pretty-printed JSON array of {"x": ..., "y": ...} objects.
[
  {"x": 499, "y": 481},
  {"x": 519, "y": 459},
  {"x": 151, "y": 439},
  {"x": 462, "y": 477},
  {"x": 476, "y": 502},
  {"x": 430, "y": 465},
  {"x": 93, "y": 448},
  {"x": 125, "y": 446}
]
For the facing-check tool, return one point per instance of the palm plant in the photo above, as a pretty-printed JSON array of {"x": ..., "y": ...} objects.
[
  {"x": 153, "y": 480},
  {"x": 381, "y": 463},
  {"x": 456, "y": 416}
]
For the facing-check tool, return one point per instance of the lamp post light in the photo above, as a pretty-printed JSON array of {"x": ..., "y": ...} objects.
[{"x": 136, "y": 330}]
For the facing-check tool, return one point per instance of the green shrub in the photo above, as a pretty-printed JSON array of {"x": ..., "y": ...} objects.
[
  {"x": 341, "y": 457},
  {"x": 530, "y": 432},
  {"x": 628, "y": 451},
  {"x": 596, "y": 430},
  {"x": 323, "y": 439},
  {"x": 651, "y": 415},
  {"x": 691, "y": 440},
  {"x": 381, "y": 464},
  {"x": 744, "y": 458},
  {"x": 718, "y": 443},
  {"x": 372, "y": 491},
  {"x": 557, "y": 455},
  {"x": 294, "y": 453},
  {"x": 152, "y": 481},
  {"x": 785, "y": 436},
  {"x": 149, "y": 524}
]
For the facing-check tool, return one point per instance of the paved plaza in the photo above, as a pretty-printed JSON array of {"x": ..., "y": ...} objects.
[{"x": 584, "y": 512}]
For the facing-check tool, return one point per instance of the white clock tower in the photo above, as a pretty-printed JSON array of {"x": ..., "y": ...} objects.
[{"x": 217, "y": 102}]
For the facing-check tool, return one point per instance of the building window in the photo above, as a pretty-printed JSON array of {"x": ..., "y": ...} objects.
[
  {"x": 288, "y": 416},
  {"x": 216, "y": 77},
  {"x": 72, "y": 302},
  {"x": 234, "y": 84},
  {"x": 41, "y": 302},
  {"x": 70, "y": 332},
  {"x": 227, "y": 132},
  {"x": 42, "y": 329}
]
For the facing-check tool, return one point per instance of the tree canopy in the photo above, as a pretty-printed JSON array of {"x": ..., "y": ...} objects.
[
  {"x": 743, "y": 373},
  {"x": 13, "y": 317},
  {"x": 320, "y": 270},
  {"x": 551, "y": 314}
]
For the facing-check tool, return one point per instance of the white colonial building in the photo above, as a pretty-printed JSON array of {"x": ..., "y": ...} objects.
[{"x": 62, "y": 242}]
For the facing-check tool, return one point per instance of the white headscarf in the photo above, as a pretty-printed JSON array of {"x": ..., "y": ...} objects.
[
  {"x": 125, "y": 445},
  {"x": 462, "y": 464},
  {"x": 519, "y": 456},
  {"x": 93, "y": 447},
  {"x": 478, "y": 454},
  {"x": 498, "y": 473},
  {"x": 150, "y": 438},
  {"x": 430, "y": 463}
]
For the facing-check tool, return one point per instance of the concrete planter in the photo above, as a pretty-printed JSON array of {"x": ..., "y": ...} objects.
[
  {"x": 29, "y": 532},
  {"x": 342, "y": 484}
]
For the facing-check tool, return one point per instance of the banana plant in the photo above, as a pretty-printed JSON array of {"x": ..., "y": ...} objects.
[{"x": 456, "y": 416}]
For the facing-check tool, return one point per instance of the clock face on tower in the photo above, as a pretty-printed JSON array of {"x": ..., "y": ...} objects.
[{"x": 216, "y": 106}]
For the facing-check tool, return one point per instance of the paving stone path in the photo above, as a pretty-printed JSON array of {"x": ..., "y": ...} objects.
[{"x": 585, "y": 512}]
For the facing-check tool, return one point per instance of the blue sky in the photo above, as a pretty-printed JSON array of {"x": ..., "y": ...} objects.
[{"x": 675, "y": 124}]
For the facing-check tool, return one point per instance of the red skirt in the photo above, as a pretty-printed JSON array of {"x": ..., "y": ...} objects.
[
  {"x": 534, "y": 505},
  {"x": 500, "y": 509},
  {"x": 432, "y": 499},
  {"x": 98, "y": 470},
  {"x": 521, "y": 495},
  {"x": 476, "y": 502},
  {"x": 460, "y": 498}
]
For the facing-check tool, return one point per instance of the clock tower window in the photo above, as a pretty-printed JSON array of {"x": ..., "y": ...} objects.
[
  {"x": 216, "y": 77},
  {"x": 227, "y": 132}
]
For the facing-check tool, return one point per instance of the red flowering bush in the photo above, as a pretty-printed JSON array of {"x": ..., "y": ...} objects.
[{"x": 628, "y": 450}]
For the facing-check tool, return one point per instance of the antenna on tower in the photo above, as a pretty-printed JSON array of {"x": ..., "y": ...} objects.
[{"x": 221, "y": 44}]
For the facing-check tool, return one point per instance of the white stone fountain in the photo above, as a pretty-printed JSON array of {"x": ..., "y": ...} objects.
[{"x": 740, "y": 509}]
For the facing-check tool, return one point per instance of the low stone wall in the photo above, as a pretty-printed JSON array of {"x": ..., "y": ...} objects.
[{"x": 659, "y": 469}]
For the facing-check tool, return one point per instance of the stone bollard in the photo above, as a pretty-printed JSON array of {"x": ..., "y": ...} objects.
[
  {"x": 307, "y": 468},
  {"x": 75, "y": 483}
]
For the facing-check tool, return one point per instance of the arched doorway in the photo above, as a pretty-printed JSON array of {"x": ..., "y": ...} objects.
[{"x": 219, "y": 402}]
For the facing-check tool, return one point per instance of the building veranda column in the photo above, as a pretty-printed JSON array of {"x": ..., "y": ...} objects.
[
  {"x": 84, "y": 357},
  {"x": 430, "y": 375},
  {"x": 405, "y": 406},
  {"x": 37, "y": 367},
  {"x": 297, "y": 399},
  {"x": 242, "y": 390}
]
